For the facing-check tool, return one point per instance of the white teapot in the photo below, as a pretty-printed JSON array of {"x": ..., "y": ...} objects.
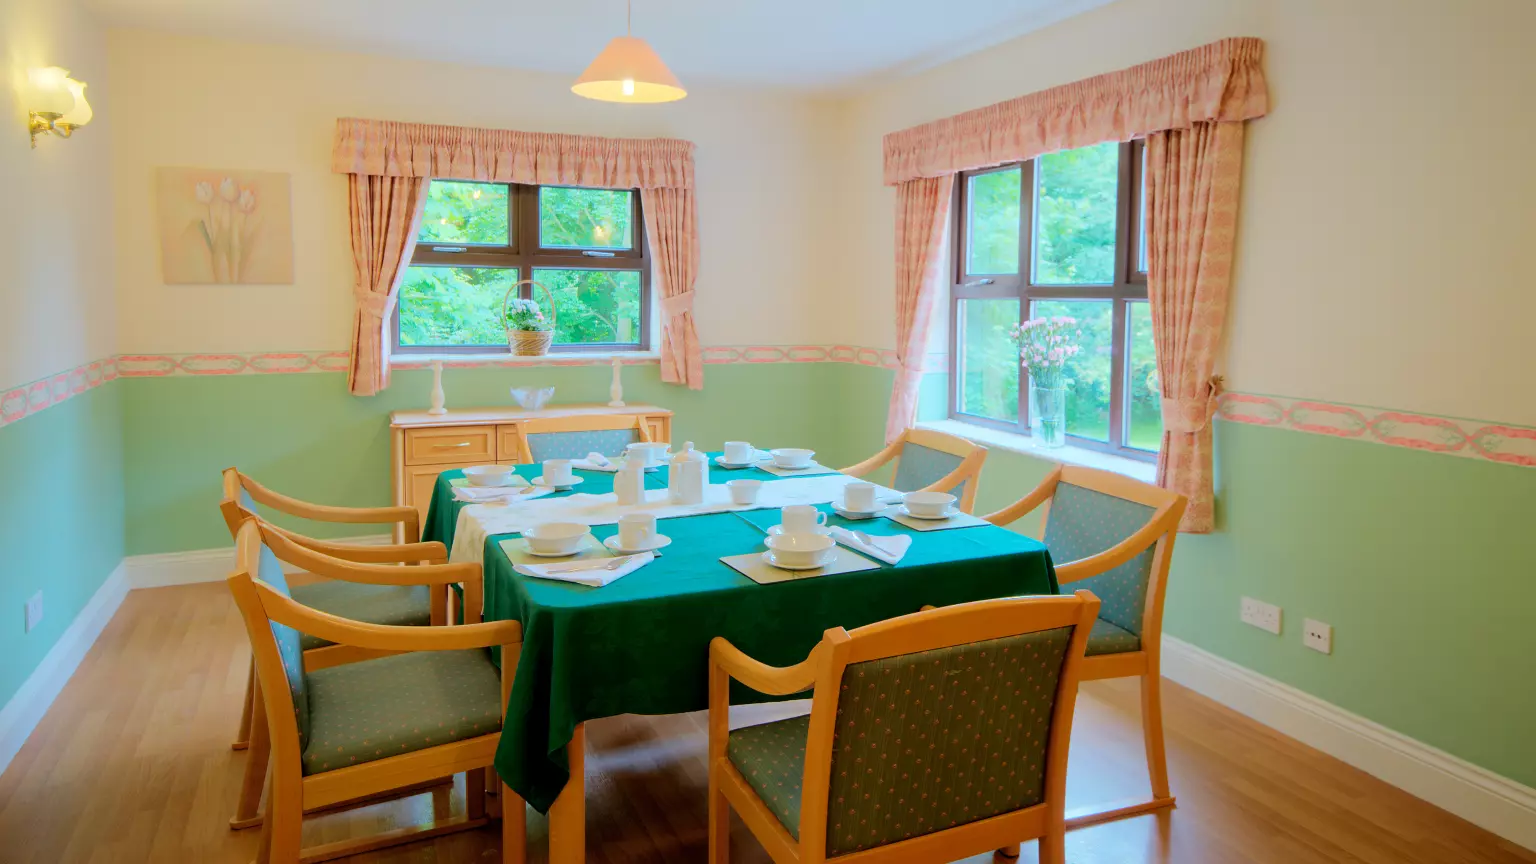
[{"x": 687, "y": 475}]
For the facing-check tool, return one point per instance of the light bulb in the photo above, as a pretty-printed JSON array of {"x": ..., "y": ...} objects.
[{"x": 629, "y": 86}]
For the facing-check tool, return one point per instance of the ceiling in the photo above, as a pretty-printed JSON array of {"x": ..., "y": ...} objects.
[{"x": 803, "y": 44}]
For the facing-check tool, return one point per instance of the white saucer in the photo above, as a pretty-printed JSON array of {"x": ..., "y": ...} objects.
[
  {"x": 859, "y": 514},
  {"x": 720, "y": 460},
  {"x": 662, "y": 542},
  {"x": 819, "y": 529},
  {"x": 773, "y": 561},
  {"x": 470, "y": 484},
  {"x": 539, "y": 481},
  {"x": 772, "y": 464},
  {"x": 620, "y": 462},
  {"x": 951, "y": 513},
  {"x": 578, "y": 549}
]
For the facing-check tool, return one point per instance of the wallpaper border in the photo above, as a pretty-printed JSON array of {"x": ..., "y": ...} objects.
[{"x": 34, "y": 396}]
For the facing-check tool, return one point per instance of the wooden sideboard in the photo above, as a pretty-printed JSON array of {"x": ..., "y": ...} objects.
[{"x": 424, "y": 445}]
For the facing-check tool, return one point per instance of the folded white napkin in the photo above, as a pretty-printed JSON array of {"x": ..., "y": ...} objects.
[
  {"x": 887, "y": 548},
  {"x": 590, "y": 571},
  {"x": 596, "y": 462},
  {"x": 484, "y": 494}
]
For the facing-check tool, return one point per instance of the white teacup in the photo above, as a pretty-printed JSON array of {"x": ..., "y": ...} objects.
[
  {"x": 556, "y": 538},
  {"x": 801, "y": 550},
  {"x": 637, "y": 530},
  {"x": 859, "y": 497},
  {"x": 792, "y": 457},
  {"x": 557, "y": 472},
  {"x": 738, "y": 452},
  {"x": 743, "y": 491},
  {"x": 646, "y": 453},
  {"x": 801, "y": 519},
  {"x": 929, "y": 505}
]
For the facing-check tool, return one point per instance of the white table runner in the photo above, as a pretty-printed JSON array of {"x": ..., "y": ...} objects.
[{"x": 477, "y": 521}]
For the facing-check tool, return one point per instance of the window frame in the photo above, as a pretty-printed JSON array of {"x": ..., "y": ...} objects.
[
  {"x": 1129, "y": 286},
  {"x": 525, "y": 252}
]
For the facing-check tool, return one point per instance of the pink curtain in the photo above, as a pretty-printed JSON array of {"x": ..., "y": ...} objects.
[
  {"x": 673, "y": 228},
  {"x": 922, "y": 215},
  {"x": 1192, "y": 190},
  {"x": 385, "y": 214},
  {"x": 1220, "y": 81}
]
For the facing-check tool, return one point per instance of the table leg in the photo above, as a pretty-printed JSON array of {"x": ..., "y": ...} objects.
[{"x": 568, "y": 815}]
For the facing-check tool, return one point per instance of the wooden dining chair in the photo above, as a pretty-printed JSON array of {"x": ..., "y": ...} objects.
[
  {"x": 419, "y": 704},
  {"x": 1114, "y": 536},
  {"x": 575, "y": 436},
  {"x": 932, "y": 461},
  {"x": 931, "y": 737}
]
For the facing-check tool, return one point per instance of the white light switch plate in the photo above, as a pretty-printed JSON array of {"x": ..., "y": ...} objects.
[
  {"x": 34, "y": 611},
  {"x": 1317, "y": 636},
  {"x": 1265, "y": 616}
]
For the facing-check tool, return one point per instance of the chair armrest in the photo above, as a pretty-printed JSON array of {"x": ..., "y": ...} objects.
[
  {"x": 430, "y": 551},
  {"x": 887, "y": 454},
  {"x": 287, "y": 547},
  {"x": 772, "y": 680},
  {"x": 383, "y": 637},
  {"x": 1026, "y": 505},
  {"x": 326, "y": 512},
  {"x": 1115, "y": 555}
]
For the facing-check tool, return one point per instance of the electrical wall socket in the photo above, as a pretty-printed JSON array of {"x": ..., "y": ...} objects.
[
  {"x": 34, "y": 611},
  {"x": 1265, "y": 616},
  {"x": 1317, "y": 636}
]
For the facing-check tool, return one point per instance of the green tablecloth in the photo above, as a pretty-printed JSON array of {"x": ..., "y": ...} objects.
[{"x": 640, "y": 645}]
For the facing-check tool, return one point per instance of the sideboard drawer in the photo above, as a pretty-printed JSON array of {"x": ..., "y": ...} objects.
[
  {"x": 509, "y": 444},
  {"x": 459, "y": 444}
]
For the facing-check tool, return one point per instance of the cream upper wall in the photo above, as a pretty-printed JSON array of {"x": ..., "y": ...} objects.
[
  {"x": 56, "y": 298},
  {"x": 1387, "y": 217},
  {"x": 199, "y": 102}
]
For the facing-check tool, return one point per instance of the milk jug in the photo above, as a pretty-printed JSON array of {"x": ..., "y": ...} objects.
[
  {"x": 629, "y": 483},
  {"x": 687, "y": 476}
]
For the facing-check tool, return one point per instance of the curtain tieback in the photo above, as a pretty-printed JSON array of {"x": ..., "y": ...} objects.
[
  {"x": 377, "y": 305},
  {"x": 677, "y": 304},
  {"x": 1195, "y": 413}
]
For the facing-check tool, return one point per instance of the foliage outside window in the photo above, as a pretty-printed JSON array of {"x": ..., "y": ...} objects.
[
  {"x": 1058, "y": 235},
  {"x": 478, "y": 239}
]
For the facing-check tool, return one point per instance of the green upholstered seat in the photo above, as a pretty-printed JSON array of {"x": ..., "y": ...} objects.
[
  {"x": 922, "y": 742},
  {"x": 375, "y": 709},
  {"x": 401, "y": 605},
  {"x": 923, "y": 466},
  {"x": 576, "y": 445},
  {"x": 1106, "y": 638},
  {"x": 1082, "y": 523}
]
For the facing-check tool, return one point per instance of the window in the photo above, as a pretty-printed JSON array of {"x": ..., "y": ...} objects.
[
  {"x": 587, "y": 246},
  {"x": 1057, "y": 235}
]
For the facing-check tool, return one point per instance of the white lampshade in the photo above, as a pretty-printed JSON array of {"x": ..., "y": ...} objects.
[
  {"x": 628, "y": 71},
  {"x": 47, "y": 91},
  {"x": 81, "y": 113}
]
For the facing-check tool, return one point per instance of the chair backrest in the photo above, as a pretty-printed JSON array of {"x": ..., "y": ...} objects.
[
  {"x": 925, "y": 458},
  {"x": 272, "y": 642},
  {"x": 942, "y": 718},
  {"x": 237, "y": 503},
  {"x": 575, "y": 437}
]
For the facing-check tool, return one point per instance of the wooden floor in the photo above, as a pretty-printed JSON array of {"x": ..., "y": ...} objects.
[{"x": 133, "y": 764}]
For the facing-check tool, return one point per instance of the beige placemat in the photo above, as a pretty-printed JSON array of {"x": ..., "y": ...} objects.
[
  {"x": 959, "y": 520},
  {"x": 461, "y": 482},
  {"x": 517, "y": 552},
  {"x": 810, "y": 471},
  {"x": 752, "y": 566}
]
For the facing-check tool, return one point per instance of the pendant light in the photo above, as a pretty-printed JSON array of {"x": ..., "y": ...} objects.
[{"x": 628, "y": 71}]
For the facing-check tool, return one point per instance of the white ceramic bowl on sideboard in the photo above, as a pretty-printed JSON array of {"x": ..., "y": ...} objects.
[
  {"x": 792, "y": 457},
  {"x": 488, "y": 475},
  {"x": 556, "y": 538},
  {"x": 801, "y": 550},
  {"x": 929, "y": 505}
]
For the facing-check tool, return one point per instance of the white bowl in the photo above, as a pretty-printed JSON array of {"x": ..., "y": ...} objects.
[
  {"x": 801, "y": 550},
  {"x": 556, "y": 538},
  {"x": 532, "y": 398},
  {"x": 928, "y": 504},
  {"x": 743, "y": 491},
  {"x": 488, "y": 475},
  {"x": 792, "y": 457}
]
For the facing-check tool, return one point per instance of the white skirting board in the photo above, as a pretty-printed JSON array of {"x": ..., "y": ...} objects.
[
  {"x": 1488, "y": 800},
  {"x": 204, "y": 565},
  {"x": 31, "y": 701}
]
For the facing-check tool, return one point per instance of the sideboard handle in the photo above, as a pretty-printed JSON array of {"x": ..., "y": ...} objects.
[{"x": 450, "y": 446}]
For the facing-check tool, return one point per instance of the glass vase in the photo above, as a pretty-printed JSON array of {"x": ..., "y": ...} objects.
[{"x": 1048, "y": 415}]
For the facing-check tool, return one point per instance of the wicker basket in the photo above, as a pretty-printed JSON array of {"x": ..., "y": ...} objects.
[{"x": 530, "y": 343}]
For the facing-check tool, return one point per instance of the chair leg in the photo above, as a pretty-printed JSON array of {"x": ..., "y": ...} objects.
[
  {"x": 243, "y": 739},
  {"x": 282, "y": 830},
  {"x": 1053, "y": 846},
  {"x": 1152, "y": 727},
  {"x": 1009, "y": 852},
  {"x": 719, "y": 822},
  {"x": 248, "y": 810},
  {"x": 474, "y": 793},
  {"x": 514, "y": 826}
]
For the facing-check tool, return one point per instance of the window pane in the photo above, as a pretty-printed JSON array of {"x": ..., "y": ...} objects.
[
  {"x": 1145, "y": 417},
  {"x": 993, "y": 222},
  {"x": 584, "y": 218},
  {"x": 1088, "y": 372},
  {"x": 453, "y": 305},
  {"x": 1076, "y": 199},
  {"x": 988, "y": 359},
  {"x": 465, "y": 213},
  {"x": 593, "y": 305}
]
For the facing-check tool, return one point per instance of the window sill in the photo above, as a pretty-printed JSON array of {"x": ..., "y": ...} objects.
[
  {"x": 1025, "y": 446},
  {"x": 564, "y": 358}
]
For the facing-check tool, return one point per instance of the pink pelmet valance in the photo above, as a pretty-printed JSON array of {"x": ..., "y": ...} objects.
[
  {"x": 1222, "y": 81},
  {"x": 385, "y": 148}
]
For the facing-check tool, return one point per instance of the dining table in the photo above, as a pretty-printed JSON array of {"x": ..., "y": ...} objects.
[{"x": 640, "y": 644}]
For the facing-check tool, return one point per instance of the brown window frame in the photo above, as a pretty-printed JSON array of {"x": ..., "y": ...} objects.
[
  {"x": 526, "y": 252},
  {"x": 1129, "y": 286}
]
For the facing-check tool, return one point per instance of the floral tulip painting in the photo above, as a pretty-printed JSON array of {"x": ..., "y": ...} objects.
[{"x": 225, "y": 227}]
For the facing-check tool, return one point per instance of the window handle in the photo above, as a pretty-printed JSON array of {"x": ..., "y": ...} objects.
[
  {"x": 450, "y": 249},
  {"x": 978, "y": 282},
  {"x": 593, "y": 254}
]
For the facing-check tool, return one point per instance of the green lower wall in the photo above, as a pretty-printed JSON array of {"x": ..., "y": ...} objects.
[
  {"x": 61, "y": 520},
  {"x": 1424, "y": 564}
]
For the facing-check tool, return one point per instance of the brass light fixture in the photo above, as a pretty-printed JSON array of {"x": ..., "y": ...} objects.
[
  {"x": 55, "y": 103},
  {"x": 628, "y": 70}
]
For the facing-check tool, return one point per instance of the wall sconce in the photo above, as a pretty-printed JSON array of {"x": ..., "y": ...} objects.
[{"x": 55, "y": 103}]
